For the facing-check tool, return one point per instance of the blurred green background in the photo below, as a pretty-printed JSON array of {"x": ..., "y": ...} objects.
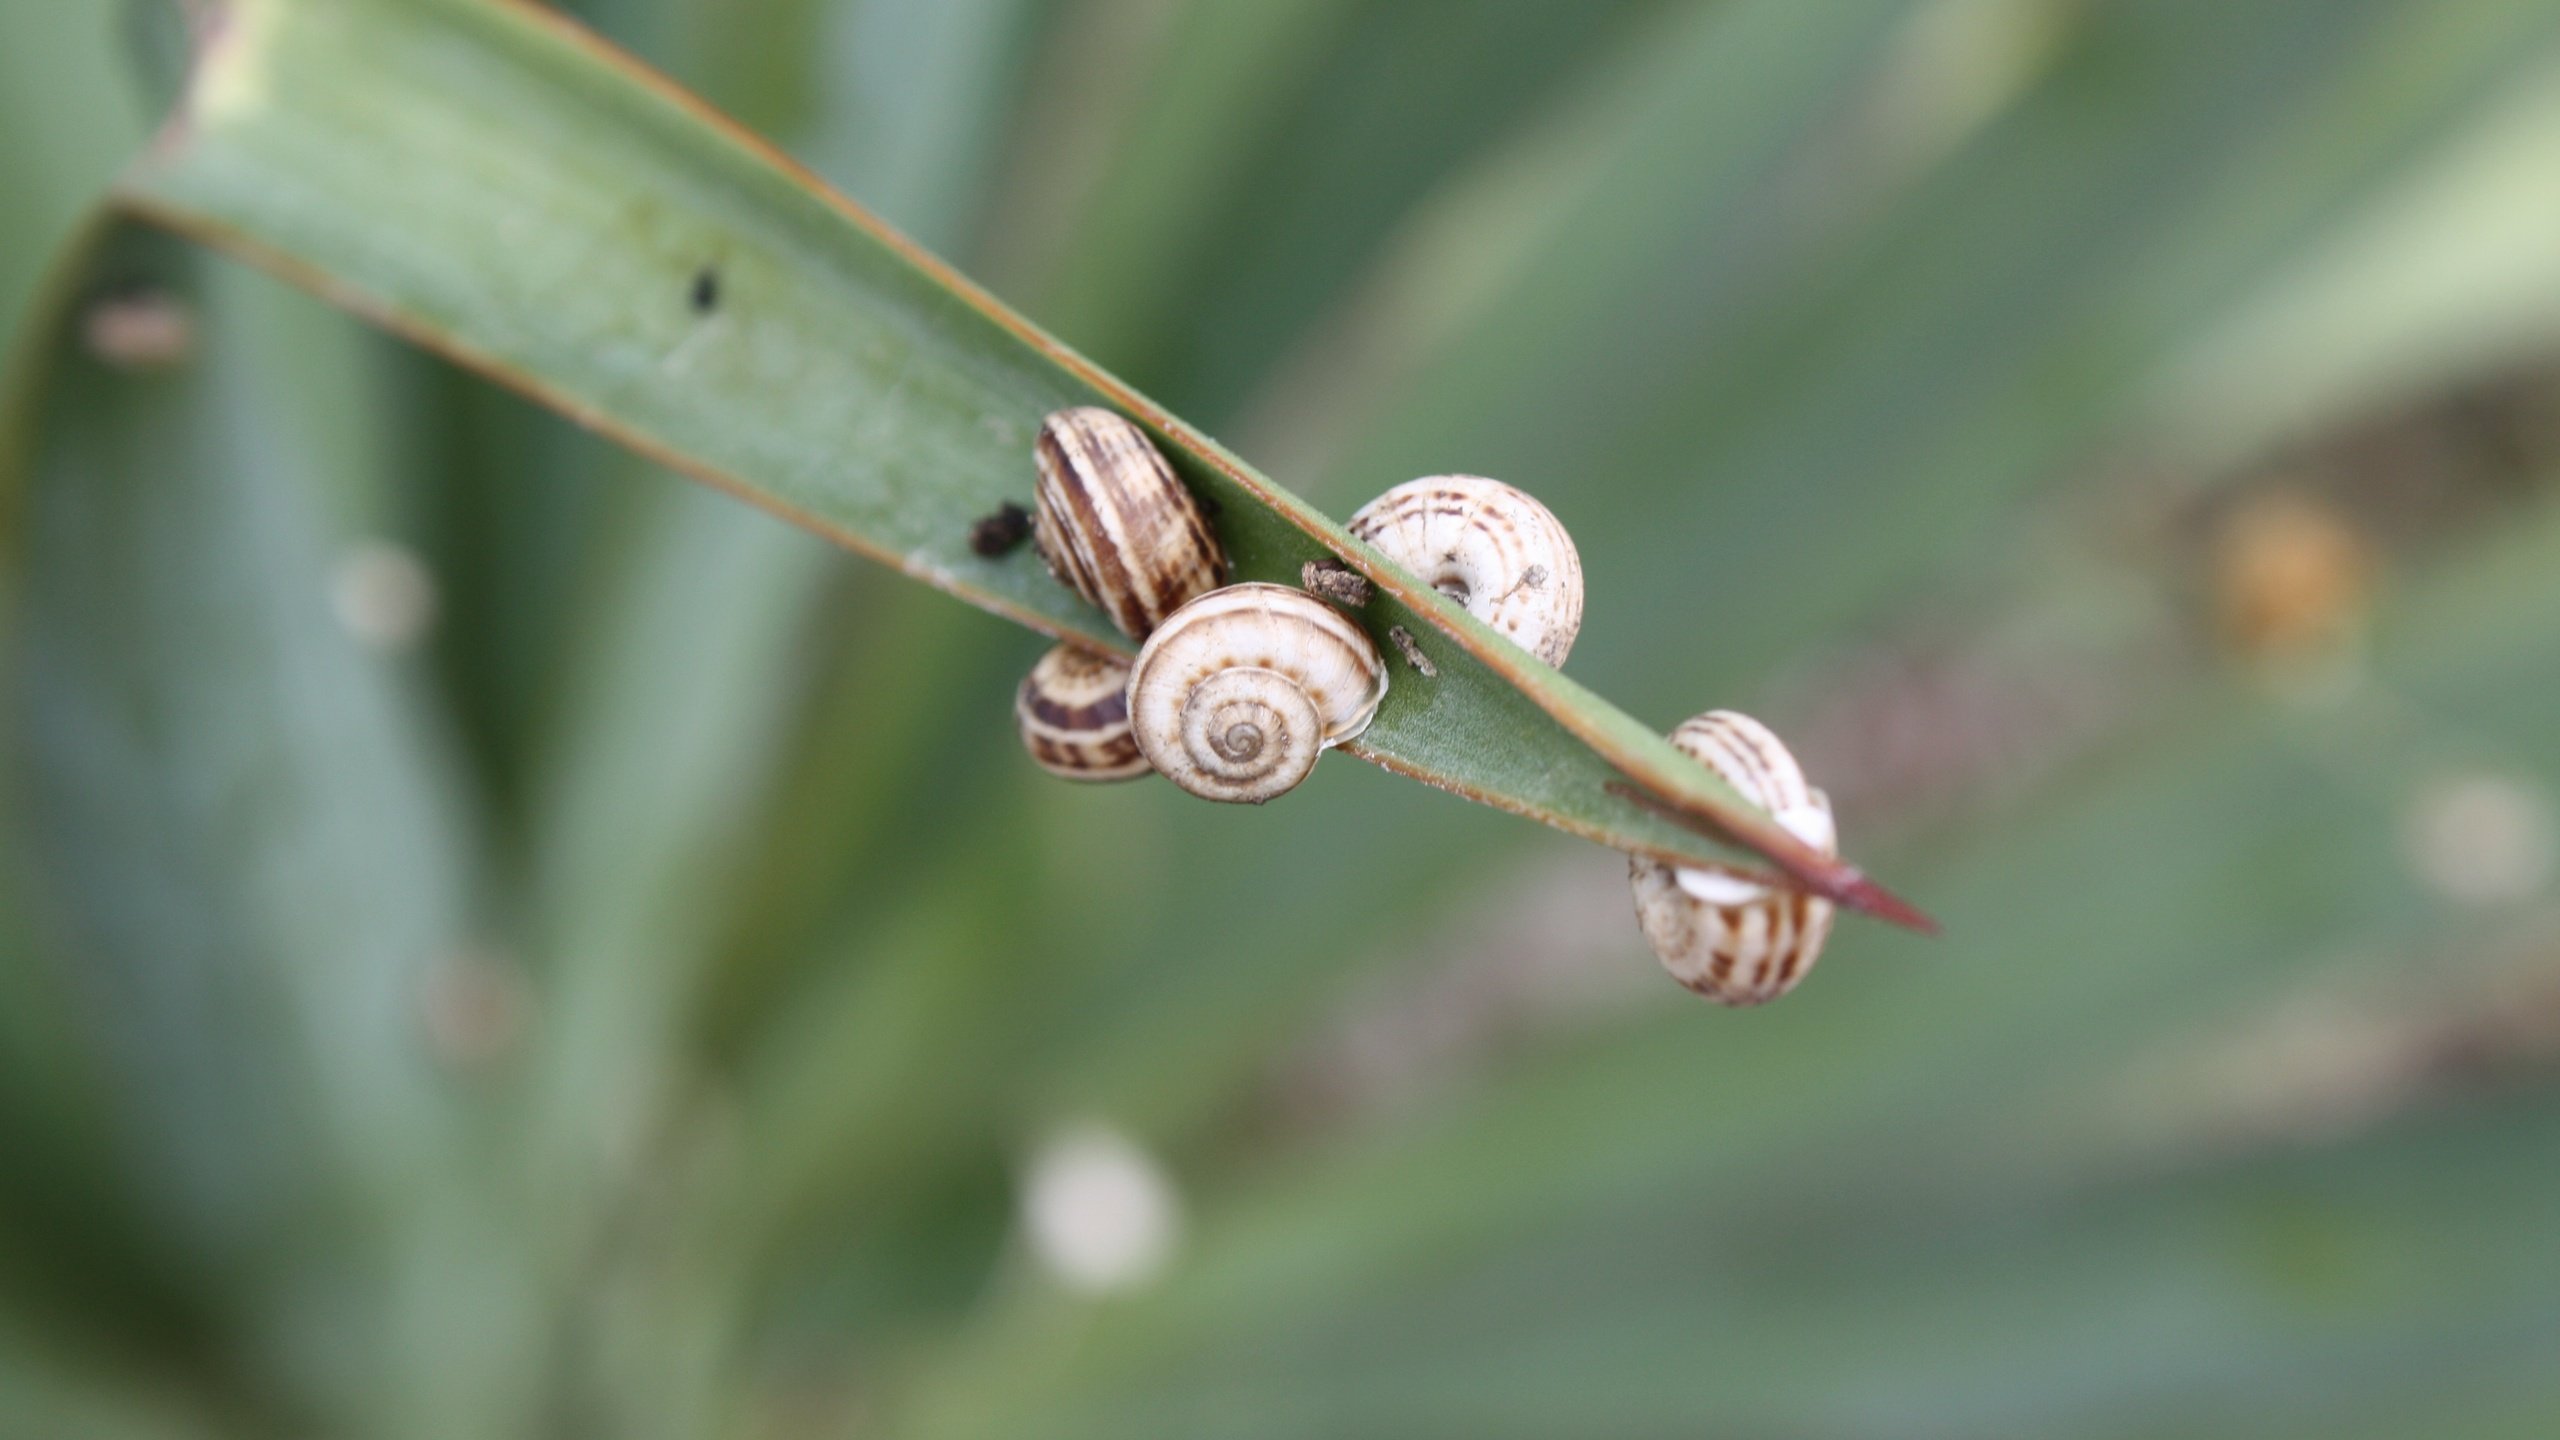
[{"x": 495, "y": 940}]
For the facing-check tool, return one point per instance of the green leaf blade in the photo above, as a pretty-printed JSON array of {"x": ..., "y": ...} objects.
[{"x": 494, "y": 184}]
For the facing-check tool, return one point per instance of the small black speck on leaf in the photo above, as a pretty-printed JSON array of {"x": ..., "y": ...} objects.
[
  {"x": 706, "y": 290},
  {"x": 997, "y": 534}
]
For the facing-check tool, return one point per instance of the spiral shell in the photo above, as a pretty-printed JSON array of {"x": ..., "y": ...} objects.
[
  {"x": 1238, "y": 692},
  {"x": 1722, "y": 933},
  {"x": 1073, "y": 713},
  {"x": 1488, "y": 546},
  {"x": 1115, "y": 524}
]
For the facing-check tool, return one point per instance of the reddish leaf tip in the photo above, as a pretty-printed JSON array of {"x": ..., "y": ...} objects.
[{"x": 1852, "y": 888}]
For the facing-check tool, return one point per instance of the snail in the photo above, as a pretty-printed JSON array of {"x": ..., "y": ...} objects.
[
  {"x": 1115, "y": 524},
  {"x": 1728, "y": 936},
  {"x": 1073, "y": 713},
  {"x": 1491, "y": 548},
  {"x": 1238, "y": 692}
]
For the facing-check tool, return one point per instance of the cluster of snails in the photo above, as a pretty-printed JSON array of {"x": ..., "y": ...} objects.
[{"x": 1237, "y": 689}]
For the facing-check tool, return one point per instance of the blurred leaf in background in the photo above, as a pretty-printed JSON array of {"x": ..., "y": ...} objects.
[{"x": 497, "y": 940}]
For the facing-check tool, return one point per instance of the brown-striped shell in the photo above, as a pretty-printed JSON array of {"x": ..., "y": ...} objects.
[
  {"x": 1116, "y": 525},
  {"x": 1721, "y": 932},
  {"x": 1489, "y": 546},
  {"x": 1073, "y": 713},
  {"x": 1238, "y": 692}
]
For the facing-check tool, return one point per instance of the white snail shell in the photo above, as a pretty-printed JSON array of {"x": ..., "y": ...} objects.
[
  {"x": 1116, "y": 525},
  {"x": 1488, "y": 546},
  {"x": 1721, "y": 933},
  {"x": 1073, "y": 714},
  {"x": 1238, "y": 692}
]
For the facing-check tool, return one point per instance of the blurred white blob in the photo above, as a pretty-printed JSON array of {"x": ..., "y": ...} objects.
[
  {"x": 474, "y": 1003},
  {"x": 140, "y": 330},
  {"x": 2482, "y": 839},
  {"x": 1100, "y": 1214},
  {"x": 383, "y": 595}
]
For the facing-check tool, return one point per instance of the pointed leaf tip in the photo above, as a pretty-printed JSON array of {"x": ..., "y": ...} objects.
[{"x": 1853, "y": 889}]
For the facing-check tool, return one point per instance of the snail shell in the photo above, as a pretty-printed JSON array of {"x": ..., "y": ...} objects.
[
  {"x": 1720, "y": 932},
  {"x": 1488, "y": 546},
  {"x": 1073, "y": 714},
  {"x": 1115, "y": 524},
  {"x": 1238, "y": 692}
]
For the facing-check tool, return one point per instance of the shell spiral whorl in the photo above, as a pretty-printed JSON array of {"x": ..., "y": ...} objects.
[
  {"x": 1251, "y": 730},
  {"x": 1116, "y": 525},
  {"x": 1237, "y": 693},
  {"x": 1489, "y": 546},
  {"x": 1072, "y": 711},
  {"x": 1720, "y": 932}
]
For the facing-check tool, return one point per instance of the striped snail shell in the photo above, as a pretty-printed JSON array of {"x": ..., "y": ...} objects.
[
  {"x": 1238, "y": 692},
  {"x": 1115, "y": 524},
  {"x": 1073, "y": 713},
  {"x": 1488, "y": 546},
  {"x": 1720, "y": 932}
]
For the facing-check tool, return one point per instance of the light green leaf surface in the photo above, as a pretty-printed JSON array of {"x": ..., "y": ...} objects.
[{"x": 258, "y": 871}]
